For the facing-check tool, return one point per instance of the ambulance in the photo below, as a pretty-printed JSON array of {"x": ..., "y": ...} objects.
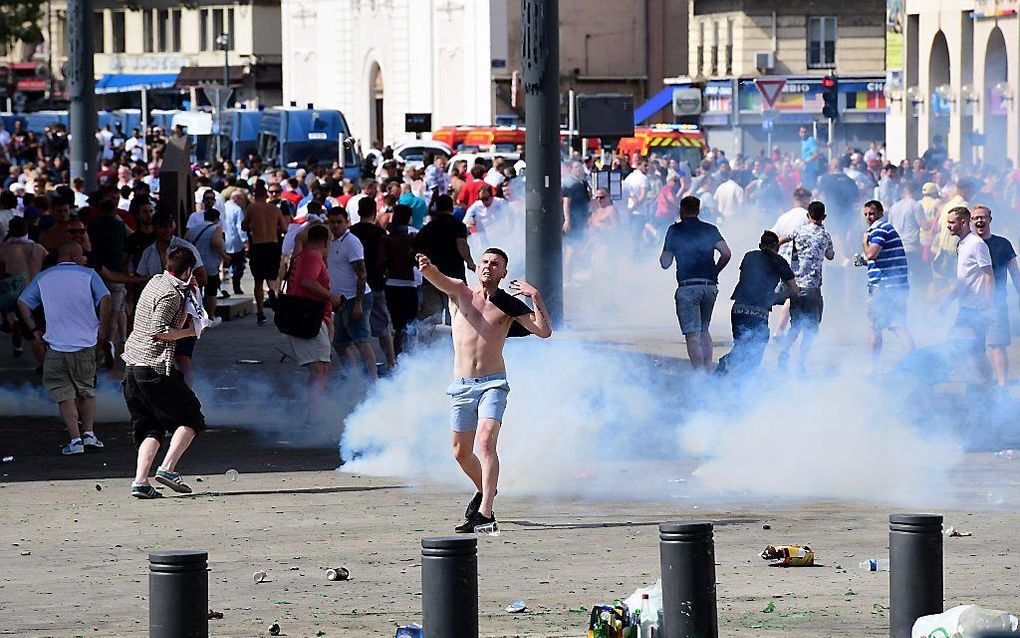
[{"x": 682, "y": 142}]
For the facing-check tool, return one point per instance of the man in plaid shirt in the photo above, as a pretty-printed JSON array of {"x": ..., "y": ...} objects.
[{"x": 156, "y": 394}]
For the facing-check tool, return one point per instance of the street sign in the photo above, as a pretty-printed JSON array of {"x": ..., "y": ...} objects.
[
  {"x": 217, "y": 95},
  {"x": 770, "y": 88},
  {"x": 686, "y": 101},
  {"x": 768, "y": 121}
]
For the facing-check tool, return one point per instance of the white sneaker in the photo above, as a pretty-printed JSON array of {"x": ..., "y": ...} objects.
[
  {"x": 90, "y": 440},
  {"x": 73, "y": 448},
  {"x": 216, "y": 321}
]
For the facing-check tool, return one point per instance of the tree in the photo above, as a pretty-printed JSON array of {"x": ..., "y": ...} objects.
[{"x": 19, "y": 22}]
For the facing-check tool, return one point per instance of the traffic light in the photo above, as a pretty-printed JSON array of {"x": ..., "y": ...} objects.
[{"x": 830, "y": 97}]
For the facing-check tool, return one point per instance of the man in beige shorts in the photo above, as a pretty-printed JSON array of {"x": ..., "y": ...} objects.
[{"x": 70, "y": 293}]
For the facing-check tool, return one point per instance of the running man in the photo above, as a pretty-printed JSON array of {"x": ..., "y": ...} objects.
[
  {"x": 485, "y": 316},
  {"x": 157, "y": 396}
]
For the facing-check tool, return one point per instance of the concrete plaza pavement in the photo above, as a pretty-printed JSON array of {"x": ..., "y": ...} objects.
[{"x": 74, "y": 546}]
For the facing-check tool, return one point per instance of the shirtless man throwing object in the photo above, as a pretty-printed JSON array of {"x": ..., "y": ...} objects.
[{"x": 485, "y": 317}]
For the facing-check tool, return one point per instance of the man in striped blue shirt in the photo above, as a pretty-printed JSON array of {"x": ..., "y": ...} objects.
[{"x": 888, "y": 284}]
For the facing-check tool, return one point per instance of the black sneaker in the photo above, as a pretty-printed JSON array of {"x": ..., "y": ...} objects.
[
  {"x": 238, "y": 291},
  {"x": 271, "y": 299},
  {"x": 473, "y": 506},
  {"x": 224, "y": 294},
  {"x": 260, "y": 319},
  {"x": 468, "y": 526}
]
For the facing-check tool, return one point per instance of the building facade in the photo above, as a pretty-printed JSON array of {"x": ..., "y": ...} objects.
[
  {"x": 379, "y": 59},
  {"x": 960, "y": 73},
  {"x": 173, "y": 47},
  {"x": 734, "y": 42}
]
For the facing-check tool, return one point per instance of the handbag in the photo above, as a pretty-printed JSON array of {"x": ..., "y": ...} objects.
[{"x": 296, "y": 316}]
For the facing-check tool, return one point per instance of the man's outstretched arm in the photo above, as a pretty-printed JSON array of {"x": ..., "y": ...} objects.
[{"x": 452, "y": 287}]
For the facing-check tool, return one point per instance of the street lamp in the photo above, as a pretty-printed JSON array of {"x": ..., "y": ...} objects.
[
  {"x": 916, "y": 98},
  {"x": 970, "y": 97},
  {"x": 1003, "y": 91},
  {"x": 223, "y": 42}
]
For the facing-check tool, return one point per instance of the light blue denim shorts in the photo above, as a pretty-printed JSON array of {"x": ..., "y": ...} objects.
[{"x": 477, "y": 398}]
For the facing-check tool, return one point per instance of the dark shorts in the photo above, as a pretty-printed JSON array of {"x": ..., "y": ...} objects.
[
  {"x": 379, "y": 321},
  {"x": 403, "y": 304},
  {"x": 806, "y": 309},
  {"x": 186, "y": 347},
  {"x": 159, "y": 404},
  {"x": 265, "y": 261},
  {"x": 212, "y": 287},
  {"x": 971, "y": 327},
  {"x": 998, "y": 335}
]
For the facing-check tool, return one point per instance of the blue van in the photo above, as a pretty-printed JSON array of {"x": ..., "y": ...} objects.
[
  {"x": 240, "y": 132},
  {"x": 288, "y": 137}
]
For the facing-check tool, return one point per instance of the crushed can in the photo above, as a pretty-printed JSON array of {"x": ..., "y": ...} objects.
[
  {"x": 410, "y": 631},
  {"x": 789, "y": 555},
  {"x": 337, "y": 573}
]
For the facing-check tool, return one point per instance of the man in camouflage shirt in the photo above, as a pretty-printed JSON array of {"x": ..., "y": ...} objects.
[{"x": 811, "y": 246}]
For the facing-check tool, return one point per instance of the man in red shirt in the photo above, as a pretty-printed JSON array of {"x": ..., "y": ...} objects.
[
  {"x": 469, "y": 194},
  {"x": 292, "y": 192},
  {"x": 309, "y": 277}
]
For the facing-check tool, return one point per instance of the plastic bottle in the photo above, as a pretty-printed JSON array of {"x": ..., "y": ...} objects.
[
  {"x": 875, "y": 565},
  {"x": 647, "y": 629}
]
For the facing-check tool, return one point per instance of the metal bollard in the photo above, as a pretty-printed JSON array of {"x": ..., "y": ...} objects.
[
  {"x": 915, "y": 570},
  {"x": 687, "y": 555},
  {"x": 178, "y": 594},
  {"x": 449, "y": 587}
]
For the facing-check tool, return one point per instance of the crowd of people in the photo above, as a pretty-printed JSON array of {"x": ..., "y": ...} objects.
[{"x": 90, "y": 276}]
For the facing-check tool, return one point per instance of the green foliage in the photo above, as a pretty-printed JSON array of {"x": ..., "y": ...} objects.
[{"x": 19, "y": 22}]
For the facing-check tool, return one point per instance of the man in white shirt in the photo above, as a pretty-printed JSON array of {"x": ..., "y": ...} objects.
[
  {"x": 70, "y": 293},
  {"x": 369, "y": 188},
  {"x": 729, "y": 196},
  {"x": 975, "y": 287},
  {"x": 635, "y": 189},
  {"x": 204, "y": 184},
  {"x": 105, "y": 139},
  {"x": 135, "y": 146},
  {"x": 235, "y": 239},
  {"x": 907, "y": 216},
  {"x": 348, "y": 278},
  {"x": 487, "y": 210},
  {"x": 792, "y": 219}
]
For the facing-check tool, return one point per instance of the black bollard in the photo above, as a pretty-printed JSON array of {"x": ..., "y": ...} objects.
[
  {"x": 687, "y": 555},
  {"x": 178, "y": 594},
  {"x": 449, "y": 587},
  {"x": 915, "y": 570}
]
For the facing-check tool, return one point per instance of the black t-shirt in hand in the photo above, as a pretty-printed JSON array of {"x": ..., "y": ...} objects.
[
  {"x": 438, "y": 241},
  {"x": 760, "y": 273},
  {"x": 512, "y": 307},
  {"x": 371, "y": 236}
]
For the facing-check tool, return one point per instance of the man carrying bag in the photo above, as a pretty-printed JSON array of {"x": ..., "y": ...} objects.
[{"x": 304, "y": 313}]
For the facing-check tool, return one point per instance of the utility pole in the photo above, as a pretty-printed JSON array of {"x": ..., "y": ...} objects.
[
  {"x": 541, "y": 82},
  {"x": 81, "y": 90}
]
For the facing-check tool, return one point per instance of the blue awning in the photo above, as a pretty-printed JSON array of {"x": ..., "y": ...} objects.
[
  {"x": 657, "y": 102},
  {"x": 127, "y": 82}
]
